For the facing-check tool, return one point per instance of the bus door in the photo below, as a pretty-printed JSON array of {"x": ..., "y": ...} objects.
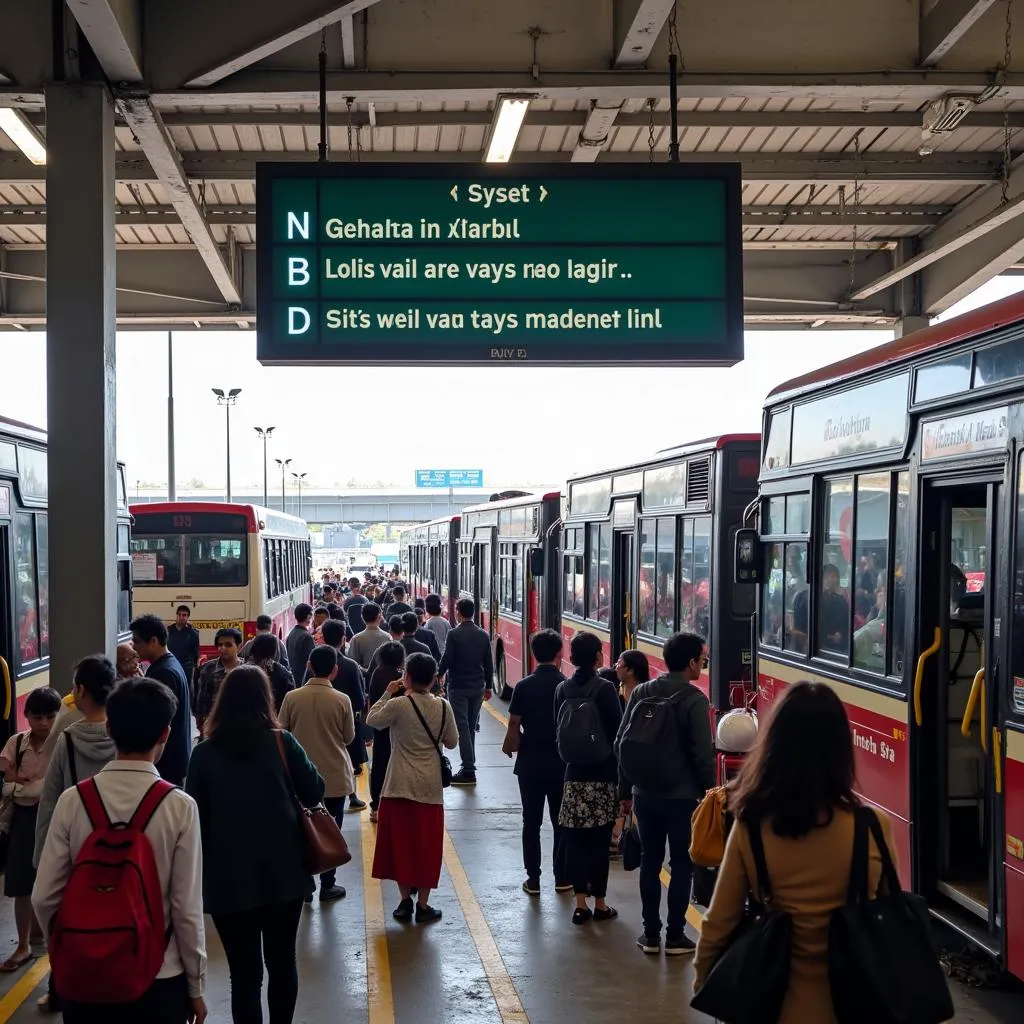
[
  {"x": 622, "y": 614},
  {"x": 483, "y": 565},
  {"x": 957, "y": 828},
  {"x": 7, "y": 666}
]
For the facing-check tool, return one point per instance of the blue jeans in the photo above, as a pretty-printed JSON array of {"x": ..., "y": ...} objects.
[
  {"x": 336, "y": 808},
  {"x": 660, "y": 819},
  {"x": 466, "y": 706}
]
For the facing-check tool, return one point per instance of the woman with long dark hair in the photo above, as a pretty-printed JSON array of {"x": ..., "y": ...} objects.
[
  {"x": 390, "y": 661},
  {"x": 264, "y": 652},
  {"x": 797, "y": 788},
  {"x": 254, "y": 883}
]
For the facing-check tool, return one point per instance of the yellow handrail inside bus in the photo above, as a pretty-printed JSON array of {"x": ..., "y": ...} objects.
[
  {"x": 997, "y": 747},
  {"x": 919, "y": 674},
  {"x": 972, "y": 702},
  {"x": 8, "y": 692}
]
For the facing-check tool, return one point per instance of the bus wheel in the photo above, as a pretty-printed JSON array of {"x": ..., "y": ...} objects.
[{"x": 504, "y": 690}]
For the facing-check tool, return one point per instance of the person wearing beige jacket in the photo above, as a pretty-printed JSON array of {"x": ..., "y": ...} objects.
[
  {"x": 797, "y": 786},
  {"x": 321, "y": 719}
]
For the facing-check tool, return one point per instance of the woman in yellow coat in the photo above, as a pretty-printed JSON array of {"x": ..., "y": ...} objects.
[{"x": 798, "y": 783}]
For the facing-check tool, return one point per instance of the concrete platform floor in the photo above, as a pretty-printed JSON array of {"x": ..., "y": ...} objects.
[{"x": 498, "y": 957}]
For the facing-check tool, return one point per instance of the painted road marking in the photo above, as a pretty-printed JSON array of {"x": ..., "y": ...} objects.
[
  {"x": 505, "y": 996},
  {"x": 694, "y": 917},
  {"x": 23, "y": 988},
  {"x": 379, "y": 995}
]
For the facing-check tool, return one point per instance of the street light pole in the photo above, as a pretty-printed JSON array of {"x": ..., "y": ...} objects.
[
  {"x": 227, "y": 400},
  {"x": 265, "y": 433},
  {"x": 299, "y": 477},
  {"x": 284, "y": 464}
]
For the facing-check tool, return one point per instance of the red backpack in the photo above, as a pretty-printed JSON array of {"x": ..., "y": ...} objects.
[{"x": 109, "y": 937}]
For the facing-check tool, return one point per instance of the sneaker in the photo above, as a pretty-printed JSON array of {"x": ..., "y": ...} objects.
[
  {"x": 563, "y": 886},
  {"x": 426, "y": 914},
  {"x": 532, "y": 886},
  {"x": 332, "y": 892},
  {"x": 403, "y": 912},
  {"x": 606, "y": 914},
  {"x": 678, "y": 945},
  {"x": 355, "y": 804},
  {"x": 373, "y": 817},
  {"x": 464, "y": 778},
  {"x": 650, "y": 944},
  {"x": 45, "y": 1005}
]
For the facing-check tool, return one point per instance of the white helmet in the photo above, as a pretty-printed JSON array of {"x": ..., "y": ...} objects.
[{"x": 737, "y": 731}]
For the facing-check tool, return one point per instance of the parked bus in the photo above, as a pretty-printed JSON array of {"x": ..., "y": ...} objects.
[
  {"x": 25, "y": 568},
  {"x": 647, "y": 551},
  {"x": 428, "y": 555},
  {"x": 228, "y": 563},
  {"x": 508, "y": 564},
  {"x": 890, "y": 556}
]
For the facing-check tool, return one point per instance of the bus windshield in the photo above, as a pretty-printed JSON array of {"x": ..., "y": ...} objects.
[{"x": 194, "y": 554}]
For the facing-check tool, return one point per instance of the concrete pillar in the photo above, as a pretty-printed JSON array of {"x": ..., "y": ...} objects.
[
  {"x": 80, "y": 364},
  {"x": 908, "y": 324}
]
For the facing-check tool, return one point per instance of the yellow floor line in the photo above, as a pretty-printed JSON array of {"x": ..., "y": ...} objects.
[
  {"x": 23, "y": 988},
  {"x": 505, "y": 996},
  {"x": 693, "y": 916},
  {"x": 379, "y": 995}
]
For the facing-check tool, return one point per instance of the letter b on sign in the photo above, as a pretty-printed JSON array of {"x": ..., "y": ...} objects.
[
  {"x": 298, "y": 271},
  {"x": 299, "y": 320}
]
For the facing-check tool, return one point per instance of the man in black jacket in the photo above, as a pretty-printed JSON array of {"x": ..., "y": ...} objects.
[
  {"x": 300, "y": 642},
  {"x": 183, "y": 642},
  {"x": 398, "y": 605},
  {"x": 470, "y": 667},
  {"x": 149, "y": 638},
  {"x": 411, "y": 630},
  {"x": 353, "y": 605}
]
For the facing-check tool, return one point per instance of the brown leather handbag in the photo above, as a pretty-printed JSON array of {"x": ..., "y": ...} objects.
[{"x": 323, "y": 846}]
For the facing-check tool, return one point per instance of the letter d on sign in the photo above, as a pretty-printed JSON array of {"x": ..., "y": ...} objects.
[
  {"x": 298, "y": 320},
  {"x": 298, "y": 271}
]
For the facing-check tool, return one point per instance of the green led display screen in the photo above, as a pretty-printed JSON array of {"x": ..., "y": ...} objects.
[{"x": 362, "y": 263}]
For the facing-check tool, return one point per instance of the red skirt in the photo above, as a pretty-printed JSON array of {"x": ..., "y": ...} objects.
[{"x": 410, "y": 843}]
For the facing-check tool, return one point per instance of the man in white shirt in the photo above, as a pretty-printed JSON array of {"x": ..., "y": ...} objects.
[{"x": 139, "y": 715}]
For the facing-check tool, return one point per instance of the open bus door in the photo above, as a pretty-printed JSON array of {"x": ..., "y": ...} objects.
[
  {"x": 7, "y": 660},
  {"x": 956, "y": 785}
]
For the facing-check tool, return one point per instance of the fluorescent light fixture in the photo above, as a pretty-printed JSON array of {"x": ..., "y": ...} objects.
[
  {"x": 22, "y": 134},
  {"x": 508, "y": 119}
]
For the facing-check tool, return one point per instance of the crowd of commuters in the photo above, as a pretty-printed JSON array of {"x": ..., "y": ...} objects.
[{"x": 283, "y": 726}]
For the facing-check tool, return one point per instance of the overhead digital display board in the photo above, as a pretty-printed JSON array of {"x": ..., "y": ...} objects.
[{"x": 361, "y": 263}]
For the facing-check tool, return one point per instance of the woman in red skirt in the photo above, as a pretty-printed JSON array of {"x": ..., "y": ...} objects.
[{"x": 410, "y": 822}]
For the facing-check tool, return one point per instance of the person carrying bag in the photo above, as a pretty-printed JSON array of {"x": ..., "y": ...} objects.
[{"x": 445, "y": 763}]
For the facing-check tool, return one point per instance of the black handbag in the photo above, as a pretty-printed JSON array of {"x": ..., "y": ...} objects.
[
  {"x": 748, "y": 982},
  {"x": 629, "y": 845},
  {"x": 446, "y": 765},
  {"x": 882, "y": 964}
]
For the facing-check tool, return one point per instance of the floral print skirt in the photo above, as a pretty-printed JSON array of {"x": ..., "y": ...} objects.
[{"x": 588, "y": 804}]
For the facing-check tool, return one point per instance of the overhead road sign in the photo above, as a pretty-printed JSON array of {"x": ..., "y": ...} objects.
[
  {"x": 425, "y": 264},
  {"x": 449, "y": 478}
]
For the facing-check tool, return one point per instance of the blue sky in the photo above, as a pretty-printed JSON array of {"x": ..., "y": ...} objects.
[{"x": 523, "y": 426}]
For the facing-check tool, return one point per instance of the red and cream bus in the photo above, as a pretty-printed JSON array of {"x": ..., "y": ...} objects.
[
  {"x": 228, "y": 563},
  {"x": 508, "y": 564},
  {"x": 428, "y": 555},
  {"x": 891, "y": 555},
  {"x": 25, "y": 568},
  {"x": 647, "y": 551}
]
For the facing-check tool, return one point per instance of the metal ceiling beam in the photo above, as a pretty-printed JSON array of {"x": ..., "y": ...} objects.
[
  {"x": 163, "y": 157},
  {"x": 946, "y": 24},
  {"x": 643, "y": 33},
  {"x": 114, "y": 31},
  {"x": 332, "y": 12},
  {"x": 595, "y": 130},
  {"x": 753, "y": 216},
  {"x": 972, "y": 219},
  {"x": 974, "y": 168}
]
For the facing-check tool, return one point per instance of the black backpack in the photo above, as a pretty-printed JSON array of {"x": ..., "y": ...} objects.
[
  {"x": 580, "y": 731},
  {"x": 651, "y": 750}
]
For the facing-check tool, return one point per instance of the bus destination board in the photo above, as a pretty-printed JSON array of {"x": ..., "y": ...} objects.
[{"x": 362, "y": 263}]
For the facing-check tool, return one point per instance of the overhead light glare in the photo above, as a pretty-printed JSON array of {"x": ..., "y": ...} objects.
[
  {"x": 23, "y": 135},
  {"x": 508, "y": 120}
]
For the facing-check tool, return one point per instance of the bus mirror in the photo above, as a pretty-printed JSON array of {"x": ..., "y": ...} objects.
[
  {"x": 537, "y": 563},
  {"x": 747, "y": 566}
]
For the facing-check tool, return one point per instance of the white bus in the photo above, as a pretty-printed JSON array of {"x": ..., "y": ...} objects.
[{"x": 228, "y": 563}]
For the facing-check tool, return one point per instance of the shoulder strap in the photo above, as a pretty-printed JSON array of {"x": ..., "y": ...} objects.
[
  {"x": 889, "y": 873},
  {"x": 148, "y": 805},
  {"x": 764, "y": 884},
  {"x": 19, "y": 751},
  {"x": 284, "y": 760},
  {"x": 71, "y": 758},
  {"x": 89, "y": 793},
  {"x": 423, "y": 722}
]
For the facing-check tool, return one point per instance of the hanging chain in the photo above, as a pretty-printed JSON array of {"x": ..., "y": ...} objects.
[
  {"x": 673, "y": 34},
  {"x": 650, "y": 131},
  {"x": 1004, "y": 183},
  {"x": 202, "y": 196},
  {"x": 351, "y": 129},
  {"x": 323, "y": 42},
  {"x": 856, "y": 212}
]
